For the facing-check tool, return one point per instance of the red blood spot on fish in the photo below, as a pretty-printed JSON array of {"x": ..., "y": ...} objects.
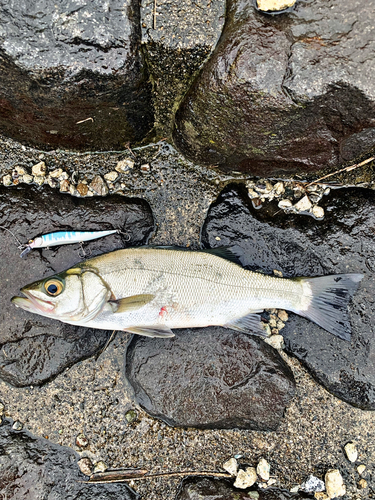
[{"x": 163, "y": 312}]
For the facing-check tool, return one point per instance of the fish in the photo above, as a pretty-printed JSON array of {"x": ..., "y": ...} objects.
[
  {"x": 63, "y": 238},
  {"x": 152, "y": 290}
]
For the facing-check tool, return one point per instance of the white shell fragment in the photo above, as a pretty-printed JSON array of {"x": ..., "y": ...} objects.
[
  {"x": 285, "y": 204},
  {"x": 274, "y": 5},
  {"x": 231, "y": 466},
  {"x": 263, "y": 469},
  {"x": 334, "y": 484},
  {"x": 245, "y": 478},
  {"x": 351, "y": 452},
  {"x": 303, "y": 205},
  {"x": 39, "y": 170}
]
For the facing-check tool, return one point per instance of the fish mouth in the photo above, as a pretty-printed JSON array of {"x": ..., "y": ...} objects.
[{"x": 32, "y": 304}]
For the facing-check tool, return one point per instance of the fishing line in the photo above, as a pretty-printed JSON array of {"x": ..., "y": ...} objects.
[{"x": 21, "y": 246}]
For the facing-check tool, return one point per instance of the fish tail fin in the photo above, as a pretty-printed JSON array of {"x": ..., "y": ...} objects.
[{"x": 325, "y": 300}]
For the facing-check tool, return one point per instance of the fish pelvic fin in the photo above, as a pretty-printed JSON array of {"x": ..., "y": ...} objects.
[
  {"x": 153, "y": 331},
  {"x": 251, "y": 323},
  {"x": 325, "y": 301}
]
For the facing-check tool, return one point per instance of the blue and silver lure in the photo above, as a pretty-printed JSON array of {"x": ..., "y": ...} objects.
[{"x": 64, "y": 238}]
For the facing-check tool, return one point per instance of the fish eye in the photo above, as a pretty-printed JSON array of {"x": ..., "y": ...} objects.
[{"x": 54, "y": 287}]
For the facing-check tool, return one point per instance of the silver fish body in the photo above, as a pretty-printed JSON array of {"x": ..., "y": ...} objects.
[{"x": 151, "y": 291}]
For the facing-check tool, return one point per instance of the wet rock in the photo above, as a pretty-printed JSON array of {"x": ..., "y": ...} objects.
[
  {"x": 33, "y": 348},
  {"x": 268, "y": 239},
  {"x": 73, "y": 77},
  {"x": 208, "y": 488},
  {"x": 313, "y": 484},
  {"x": 39, "y": 169},
  {"x": 35, "y": 468},
  {"x": 85, "y": 466},
  {"x": 99, "y": 186},
  {"x": 268, "y": 99},
  {"x": 210, "y": 378}
]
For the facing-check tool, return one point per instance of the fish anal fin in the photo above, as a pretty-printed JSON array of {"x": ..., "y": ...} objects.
[
  {"x": 151, "y": 331},
  {"x": 131, "y": 303},
  {"x": 251, "y": 323}
]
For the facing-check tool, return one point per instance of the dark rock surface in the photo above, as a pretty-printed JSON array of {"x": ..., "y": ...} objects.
[
  {"x": 33, "y": 468},
  {"x": 302, "y": 246},
  {"x": 286, "y": 93},
  {"x": 66, "y": 62},
  {"x": 34, "y": 348},
  {"x": 210, "y": 378},
  {"x": 206, "y": 488}
]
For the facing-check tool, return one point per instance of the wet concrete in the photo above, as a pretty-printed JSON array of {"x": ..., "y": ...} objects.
[
  {"x": 343, "y": 242},
  {"x": 210, "y": 378},
  {"x": 34, "y": 348},
  {"x": 33, "y": 468}
]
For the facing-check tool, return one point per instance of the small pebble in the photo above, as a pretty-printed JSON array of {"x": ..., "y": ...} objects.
[
  {"x": 252, "y": 194},
  {"x": 303, "y": 205},
  {"x": 254, "y": 495},
  {"x": 56, "y": 173},
  {"x": 280, "y": 325},
  {"x": 82, "y": 441},
  {"x": 294, "y": 489},
  {"x": 27, "y": 178},
  {"x": 64, "y": 186},
  {"x": 362, "y": 484},
  {"x": 263, "y": 469},
  {"x": 276, "y": 341},
  {"x": 85, "y": 466},
  {"x": 124, "y": 165},
  {"x": 99, "y": 186},
  {"x": 317, "y": 212},
  {"x": 351, "y": 452},
  {"x": 271, "y": 482},
  {"x": 327, "y": 191},
  {"x": 334, "y": 484},
  {"x": 217, "y": 238},
  {"x": 285, "y": 204},
  {"x": 274, "y": 5},
  {"x": 39, "y": 179},
  {"x": 7, "y": 180},
  {"x": 361, "y": 469},
  {"x": 51, "y": 182},
  {"x": 277, "y": 273},
  {"x": 283, "y": 315},
  {"x": 313, "y": 484},
  {"x": 100, "y": 466},
  {"x": 2, "y": 408},
  {"x": 64, "y": 176},
  {"x": 111, "y": 176},
  {"x": 231, "y": 466},
  {"x": 20, "y": 170},
  {"x": 82, "y": 189},
  {"x": 39, "y": 170},
  {"x": 320, "y": 495},
  {"x": 17, "y": 426},
  {"x": 146, "y": 167},
  {"x": 130, "y": 416},
  {"x": 279, "y": 188},
  {"x": 245, "y": 478},
  {"x": 73, "y": 190}
]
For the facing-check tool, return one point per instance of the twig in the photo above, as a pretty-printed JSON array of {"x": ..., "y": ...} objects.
[
  {"x": 154, "y": 16},
  {"x": 86, "y": 120},
  {"x": 160, "y": 474},
  {"x": 346, "y": 169}
]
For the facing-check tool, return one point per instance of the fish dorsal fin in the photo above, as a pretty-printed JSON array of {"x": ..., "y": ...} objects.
[
  {"x": 152, "y": 331},
  {"x": 226, "y": 253},
  {"x": 131, "y": 303},
  {"x": 248, "y": 324}
]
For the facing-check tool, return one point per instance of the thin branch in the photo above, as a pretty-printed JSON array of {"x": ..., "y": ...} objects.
[
  {"x": 137, "y": 477},
  {"x": 154, "y": 16},
  {"x": 346, "y": 169}
]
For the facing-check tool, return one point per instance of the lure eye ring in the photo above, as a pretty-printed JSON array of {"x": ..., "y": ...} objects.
[{"x": 54, "y": 287}]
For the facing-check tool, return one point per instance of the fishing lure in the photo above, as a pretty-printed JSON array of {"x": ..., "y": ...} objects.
[{"x": 63, "y": 238}]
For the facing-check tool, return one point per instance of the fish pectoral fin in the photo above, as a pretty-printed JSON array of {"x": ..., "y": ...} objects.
[
  {"x": 131, "y": 303},
  {"x": 153, "y": 331},
  {"x": 251, "y": 323}
]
